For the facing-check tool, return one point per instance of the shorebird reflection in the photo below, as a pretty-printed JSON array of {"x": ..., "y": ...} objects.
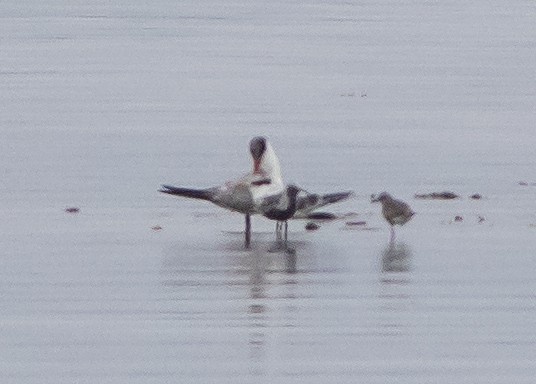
[
  {"x": 396, "y": 257},
  {"x": 395, "y": 292}
]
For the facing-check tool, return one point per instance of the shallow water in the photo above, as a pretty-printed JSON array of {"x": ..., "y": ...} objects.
[{"x": 102, "y": 102}]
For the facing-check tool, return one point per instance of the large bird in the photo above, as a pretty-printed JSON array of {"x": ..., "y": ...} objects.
[
  {"x": 246, "y": 194},
  {"x": 243, "y": 194}
]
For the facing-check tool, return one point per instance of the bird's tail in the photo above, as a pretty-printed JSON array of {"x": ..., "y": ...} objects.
[
  {"x": 331, "y": 198},
  {"x": 311, "y": 202},
  {"x": 202, "y": 194}
]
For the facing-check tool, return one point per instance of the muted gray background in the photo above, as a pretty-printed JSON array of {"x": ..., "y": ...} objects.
[{"x": 102, "y": 101}]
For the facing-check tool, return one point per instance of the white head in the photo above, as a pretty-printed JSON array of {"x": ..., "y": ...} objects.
[{"x": 265, "y": 161}]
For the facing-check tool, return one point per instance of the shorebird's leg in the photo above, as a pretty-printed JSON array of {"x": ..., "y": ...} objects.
[
  {"x": 286, "y": 231},
  {"x": 248, "y": 231},
  {"x": 392, "y": 233}
]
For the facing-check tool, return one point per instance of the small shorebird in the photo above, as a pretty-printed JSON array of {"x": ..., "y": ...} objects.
[
  {"x": 281, "y": 208},
  {"x": 393, "y": 210}
]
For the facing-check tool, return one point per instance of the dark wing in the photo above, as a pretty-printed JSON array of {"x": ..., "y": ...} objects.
[
  {"x": 313, "y": 201},
  {"x": 270, "y": 202},
  {"x": 397, "y": 212},
  {"x": 203, "y": 194}
]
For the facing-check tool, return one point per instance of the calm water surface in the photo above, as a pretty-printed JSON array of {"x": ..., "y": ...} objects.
[{"x": 102, "y": 102}]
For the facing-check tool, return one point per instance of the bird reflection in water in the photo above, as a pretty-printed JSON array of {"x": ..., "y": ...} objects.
[
  {"x": 291, "y": 259},
  {"x": 396, "y": 257},
  {"x": 257, "y": 310},
  {"x": 262, "y": 266},
  {"x": 395, "y": 298}
]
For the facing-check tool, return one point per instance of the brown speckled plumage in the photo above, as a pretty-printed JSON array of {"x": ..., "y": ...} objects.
[{"x": 395, "y": 212}]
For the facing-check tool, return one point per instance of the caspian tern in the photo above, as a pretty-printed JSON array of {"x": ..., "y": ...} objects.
[
  {"x": 393, "y": 210},
  {"x": 243, "y": 195},
  {"x": 248, "y": 193}
]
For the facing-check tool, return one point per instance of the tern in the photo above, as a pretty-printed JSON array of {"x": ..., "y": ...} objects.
[
  {"x": 247, "y": 194},
  {"x": 281, "y": 208},
  {"x": 243, "y": 195}
]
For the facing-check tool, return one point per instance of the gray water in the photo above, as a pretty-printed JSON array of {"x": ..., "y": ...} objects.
[{"x": 103, "y": 101}]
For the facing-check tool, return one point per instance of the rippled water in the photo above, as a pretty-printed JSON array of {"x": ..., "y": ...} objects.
[{"x": 103, "y": 101}]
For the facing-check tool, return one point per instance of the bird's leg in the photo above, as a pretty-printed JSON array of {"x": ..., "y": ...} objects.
[
  {"x": 288, "y": 250},
  {"x": 248, "y": 231},
  {"x": 278, "y": 242},
  {"x": 392, "y": 234},
  {"x": 281, "y": 239}
]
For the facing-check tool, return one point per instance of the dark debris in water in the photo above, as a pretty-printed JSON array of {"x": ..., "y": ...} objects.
[
  {"x": 360, "y": 228},
  {"x": 458, "y": 218},
  {"x": 72, "y": 210},
  {"x": 311, "y": 226},
  {"x": 355, "y": 223},
  {"x": 156, "y": 228},
  {"x": 481, "y": 219},
  {"x": 526, "y": 184},
  {"x": 476, "y": 196},
  {"x": 322, "y": 216},
  {"x": 446, "y": 195}
]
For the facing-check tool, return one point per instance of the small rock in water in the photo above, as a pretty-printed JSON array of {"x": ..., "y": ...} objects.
[
  {"x": 523, "y": 183},
  {"x": 446, "y": 195},
  {"x": 476, "y": 196},
  {"x": 72, "y": 210},
  {"x": 156, "y": 228},
  {"x": 458, "y": 218},
  {"x": 311, "y": 226},
  {"x": 355, "y": 223},
  {"x": 321, "y": 216}
]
